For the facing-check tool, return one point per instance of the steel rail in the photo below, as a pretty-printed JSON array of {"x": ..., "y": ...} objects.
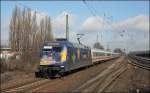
[
  {"x": 97, "y": 83},
  {"x": 140, "y": 62},
  {"x": 26, "y": 86}
]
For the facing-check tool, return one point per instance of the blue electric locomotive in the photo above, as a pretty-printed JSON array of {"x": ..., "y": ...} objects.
[{"x": 60, "y": 56}]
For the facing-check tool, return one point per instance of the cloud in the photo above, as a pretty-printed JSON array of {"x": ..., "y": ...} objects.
[
  {"x": 93, "y": 24},
  {"x": 136, "y": 32},
  {"x": 137, "y": 23},
  {"x": 134, "y": 26},
  {"x": 59, "y": 24}
]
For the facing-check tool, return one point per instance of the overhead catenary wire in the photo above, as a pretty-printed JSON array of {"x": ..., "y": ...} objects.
[
  {"x": 107, "y": 20},
  {"x": 94, "y": 13}
]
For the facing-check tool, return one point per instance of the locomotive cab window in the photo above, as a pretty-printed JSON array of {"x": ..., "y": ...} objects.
[
  {"x": 57, "y": 49},
  {"x": 47, "y": 51}
]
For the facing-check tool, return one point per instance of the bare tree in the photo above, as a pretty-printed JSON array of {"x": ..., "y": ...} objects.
[
  {"x": 48, "y": 30},
  {"x": 14, "y": 28},
  {"x": 98, "y": 46},
  {"x": 26, "y": 35},
  {"x": 118, "y": 50}
]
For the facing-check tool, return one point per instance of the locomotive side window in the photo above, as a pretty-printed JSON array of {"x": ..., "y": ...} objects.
[
  {"x": 84, "y": 54},
  {"x": 102, "y": 54}
]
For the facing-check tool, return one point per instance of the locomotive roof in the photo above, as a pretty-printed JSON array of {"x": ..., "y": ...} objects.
[{"x": 67, "y": 43}]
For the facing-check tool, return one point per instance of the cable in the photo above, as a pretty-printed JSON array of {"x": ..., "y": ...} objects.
[
  {"x": 105, "y": 19},
  {"x": 89, "y": 8},
  {"x": 94, "y": 13}
]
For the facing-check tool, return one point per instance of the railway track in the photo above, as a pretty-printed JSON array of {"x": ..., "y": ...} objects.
[
  {"x": 17, "y": 84},
  {"x": 139, "y": 62},
  {"x": 35, "y": 85},
  {"x": 59, "y": 83},
  {"x": 103, "y": 79},
  {"x": 25, "y": 86}
]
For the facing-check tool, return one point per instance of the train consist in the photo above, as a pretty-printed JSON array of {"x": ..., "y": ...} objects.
[
  {"x": 61, "y": 56},
  {"x": 101, "y": 55}
]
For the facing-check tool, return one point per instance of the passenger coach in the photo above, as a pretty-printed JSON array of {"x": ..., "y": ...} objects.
[{"x": 102, "y": 55}]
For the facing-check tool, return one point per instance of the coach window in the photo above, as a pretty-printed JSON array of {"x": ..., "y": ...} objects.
[{"x": 102, "y": 54}]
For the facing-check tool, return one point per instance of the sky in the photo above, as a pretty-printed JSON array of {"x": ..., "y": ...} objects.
[{"x": 115, "y": 24}]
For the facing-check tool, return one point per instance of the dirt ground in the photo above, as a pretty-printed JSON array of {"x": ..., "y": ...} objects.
[
  {"x": 134, "y": 79},
  {"x": 14, "y": 78},
  {"x": 73, "y": 81}
]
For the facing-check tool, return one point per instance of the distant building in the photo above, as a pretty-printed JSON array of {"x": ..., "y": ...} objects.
[{"x": 6, "y": 54}]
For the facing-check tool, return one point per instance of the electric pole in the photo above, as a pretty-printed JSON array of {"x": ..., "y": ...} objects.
[
  {"x": 97, "y": 37},
  {"x": 67, "y": 28}
]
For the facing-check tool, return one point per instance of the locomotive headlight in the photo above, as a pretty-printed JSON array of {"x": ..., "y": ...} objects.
[{"x": 62, "y": 66}]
